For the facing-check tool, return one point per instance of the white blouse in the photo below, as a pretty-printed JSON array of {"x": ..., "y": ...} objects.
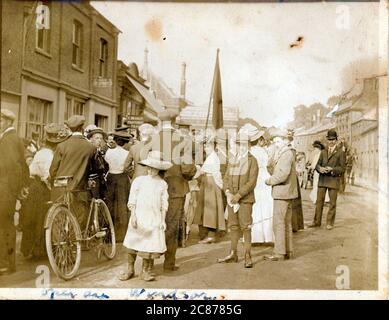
[
  {"x": 40, "y": 165},
  {"x": 116, "y": 159}
]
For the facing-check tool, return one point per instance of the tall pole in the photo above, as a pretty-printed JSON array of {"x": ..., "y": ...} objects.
[{"x": 213, "y": 85}]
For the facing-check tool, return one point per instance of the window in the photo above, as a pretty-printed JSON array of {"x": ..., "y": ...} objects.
[
  {"x": 40, "y": 112},
  {"x": 103, "y": 58},
  {"x": 101, "y": 121},
  {"x": 74, "y": 106},
  {"x": 77, "y": 44},
  {"x": 43, "y": 26}
]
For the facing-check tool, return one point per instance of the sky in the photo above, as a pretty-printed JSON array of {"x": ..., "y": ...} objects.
[{"x": 261, "y": 73}]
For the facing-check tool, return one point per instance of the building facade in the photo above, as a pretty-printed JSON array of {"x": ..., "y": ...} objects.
[
  {"x": 58, "y": 59},
  {"x": 137, "y": 104}
]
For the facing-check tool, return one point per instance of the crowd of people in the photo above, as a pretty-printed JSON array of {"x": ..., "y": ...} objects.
[{"x": 250, "y": 190}]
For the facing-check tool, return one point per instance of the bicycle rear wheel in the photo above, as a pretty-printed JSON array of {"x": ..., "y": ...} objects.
[
  {"x": 106, "y": 225},
  {"x": 63, "y": 245}
]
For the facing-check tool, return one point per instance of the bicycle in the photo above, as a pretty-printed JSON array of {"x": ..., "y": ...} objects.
[{"x": 64, "y": 237}]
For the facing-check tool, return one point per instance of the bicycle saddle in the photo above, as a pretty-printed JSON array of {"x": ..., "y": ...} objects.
[{"x": 63, "y": 177}]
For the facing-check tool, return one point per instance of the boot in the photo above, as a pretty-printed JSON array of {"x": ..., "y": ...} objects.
[
  {"x": 247, "y": 248},
  {"x": 146, "y": 276},
  {"x": 131, "y": 269},
  {"x": 247, "y": 260},
  {"x": 232, "y": 257},
  {"x": 151, "y": 266}
]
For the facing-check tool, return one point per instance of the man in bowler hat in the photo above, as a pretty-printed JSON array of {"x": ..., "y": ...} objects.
[{"x": 331, "y": 166}]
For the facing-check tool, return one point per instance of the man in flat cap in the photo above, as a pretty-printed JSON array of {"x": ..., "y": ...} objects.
[
  {"x": 331, "y": 166},
  {"x": 73, "y": 158},
  {"x": 14, "y": 178}
]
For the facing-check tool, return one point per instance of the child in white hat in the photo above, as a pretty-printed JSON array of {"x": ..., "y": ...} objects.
[{"x": 148, "y": 203}]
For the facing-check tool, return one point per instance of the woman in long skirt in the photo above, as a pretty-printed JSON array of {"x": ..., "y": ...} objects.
[
  {"x": 118, "y": 186},
  {"x": 210, "y": 208},
  {"x": 34, "y": 208}
]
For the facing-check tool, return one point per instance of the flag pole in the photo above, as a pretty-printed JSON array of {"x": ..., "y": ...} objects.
[{"x": 212, "y": 88}]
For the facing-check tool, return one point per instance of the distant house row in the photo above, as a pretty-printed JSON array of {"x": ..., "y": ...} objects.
[{"x": 355, "y": 118}]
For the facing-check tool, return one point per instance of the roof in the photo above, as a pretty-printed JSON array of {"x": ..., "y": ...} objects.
[
  {"x": 196, "y": 115},
  {"x": 149, "y": 97},
  {"x": 316, "y": 129}
]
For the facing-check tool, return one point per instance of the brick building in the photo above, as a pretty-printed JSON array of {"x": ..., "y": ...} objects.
[{"x": 65, "y": 65}]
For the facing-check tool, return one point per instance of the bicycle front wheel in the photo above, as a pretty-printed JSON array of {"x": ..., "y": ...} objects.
[
  {"x": 106, "y": 225},
  {"x": 63, "y": 245}
]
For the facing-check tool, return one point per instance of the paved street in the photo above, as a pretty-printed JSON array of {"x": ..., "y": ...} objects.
[{"x": 353, "y": 243}]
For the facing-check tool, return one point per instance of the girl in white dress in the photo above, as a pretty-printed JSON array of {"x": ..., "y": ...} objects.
[{"x": 148, "y": 203}]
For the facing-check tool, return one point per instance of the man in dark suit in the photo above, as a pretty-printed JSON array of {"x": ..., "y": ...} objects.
[
  {"x": 331, "y": 166},
  {"x": 13, "y": 181},
  {"x": 73, "y": 157},
  {"x": 179, "y": 152}
]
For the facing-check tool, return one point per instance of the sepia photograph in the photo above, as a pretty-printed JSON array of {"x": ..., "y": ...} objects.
[{"x": 179, "y": 150}]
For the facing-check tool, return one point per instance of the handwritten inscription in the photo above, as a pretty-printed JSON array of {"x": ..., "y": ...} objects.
[{"x": 171, "y": 295}]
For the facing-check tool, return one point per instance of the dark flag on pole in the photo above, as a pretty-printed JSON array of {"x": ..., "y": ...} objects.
[
  {"x": 217, "y": 116},
  {"x": 216, "y": 98}
]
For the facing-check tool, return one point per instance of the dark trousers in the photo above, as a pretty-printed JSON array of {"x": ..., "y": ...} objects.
[
  {"x": 321, "y": 193},
  {"x": 173, "y": 218},
  {"x": 7, "y": 235}
]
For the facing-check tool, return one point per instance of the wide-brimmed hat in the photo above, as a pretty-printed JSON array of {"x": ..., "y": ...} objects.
[
  {"x": 281, "y": 133},
  {"x": 317, "y": 144},
  {"x": 97, "y": 130},
  {"x": 146, "y": 129},
  {"x": 155, "y": 160},
  {"x": 332, "y": 135},
  {"x": 75, "y": 121},
  {"x": 250, "y": 132},
  {"x": 8, "y": 114},
  {"x": 56, "y": 133}
]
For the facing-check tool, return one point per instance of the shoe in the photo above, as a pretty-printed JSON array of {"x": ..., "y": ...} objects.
[
  {"x": 289, "y": 256},
  {"x": 145, "y": 275},
  {"x": 207, "y": 240},
  {"x": 151, "y": 266},
  {"x": 313, "y": 225},
  {"x": 329, "y": 227},
  {"x": 275, "y": 257},
  {"x": 7, "y": 271},
  {"x": 126, "y": 276},
  {"x": 232, "y": 257},
  {"x": 247, "y": 261}
]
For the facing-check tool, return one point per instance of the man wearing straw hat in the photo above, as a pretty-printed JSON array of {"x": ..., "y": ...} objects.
[
  {"x": 284, "y": 190},
  {"x": 13, "y": 180}
]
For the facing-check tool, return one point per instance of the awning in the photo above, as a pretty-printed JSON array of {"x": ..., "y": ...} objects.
[
  {"x": 149, "y": 117},
  {"x": 152, "y": 101}
]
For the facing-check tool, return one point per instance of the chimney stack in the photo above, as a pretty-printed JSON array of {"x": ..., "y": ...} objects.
[
  {"x": 183, "y": 81},
  {"x": 145, "y": 72}
]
